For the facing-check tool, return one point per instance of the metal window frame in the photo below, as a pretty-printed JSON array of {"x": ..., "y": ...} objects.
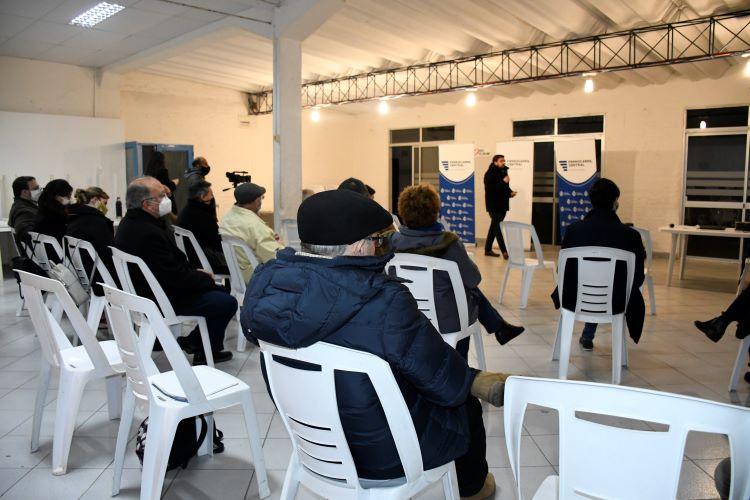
[{"x": 658, "y": 45}]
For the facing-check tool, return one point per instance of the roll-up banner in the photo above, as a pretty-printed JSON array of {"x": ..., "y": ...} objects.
[
  {"x": 575, "y": 163},
  {"x": 519, "y": 158},
  {"x": 457, "y": 189}
]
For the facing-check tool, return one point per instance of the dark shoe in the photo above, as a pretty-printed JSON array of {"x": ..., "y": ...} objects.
[
  {"x": 747, "y": 377},
  {"x": 505, "y": 255},
  {"x": 487, "y": 491},
  {"x": 586, "y": 344},
  {"x": 219, "y": 357},
  {"x": 186, "y": 344},
  {"x": 713, "y": 329},
  {"x": 490, "y": 253},
  {"x": 508, "y": 332}
]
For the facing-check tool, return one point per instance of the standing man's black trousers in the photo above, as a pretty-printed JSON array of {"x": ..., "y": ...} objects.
[{"x": 495, "y": 219}]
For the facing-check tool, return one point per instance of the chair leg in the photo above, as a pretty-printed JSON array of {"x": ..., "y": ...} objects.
[
  {"x": 651, "y": 296},
  {"x": 617, "y": 346},
  {"x": 207, "y": 448},
  {"x": 505, "y": 282},
  {"x": 479, "y": 348},
  {"x": 68, "y": 400},
  {"x": 114, "y": 396},
  {"x": 624, "y": 363},
  {"x": 556, "y": 347},
  {"x": 96, "y": 308},
  {"x": 526, "y": 279},
  {"x": 259, "y": 461},
  {"x": 565, "y": 334},
  {"x": 291, "y": 480},
  {"x": 45, "y": 373},
  {"x": 20, "y": 307},
  {"x": 450, "y": 484},
  {"x": 203, "y": 328},
  {"x": 241, "y": 340},
  {"x": 123, "y": 432},
  {"x": 161, "y": 429},
  {"x": 739, "y": 364}
]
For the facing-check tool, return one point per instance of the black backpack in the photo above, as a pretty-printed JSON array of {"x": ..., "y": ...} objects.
[{"x": 185, "y": 445}]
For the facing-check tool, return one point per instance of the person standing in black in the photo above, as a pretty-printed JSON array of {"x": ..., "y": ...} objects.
[{"x": 497, "y": 195}]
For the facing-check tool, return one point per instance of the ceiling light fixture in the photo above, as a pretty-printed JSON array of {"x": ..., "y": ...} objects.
[
  {"x": 315, "y": 115},
  {"x": 383, "y": 107},
  {"x": 588, "y": 87},
  {"x": 702, "y": 124},
  {"x": 747, "y": 69},
  {"x": 96, "y": 14},
  {"x": 471, "y": 99}
]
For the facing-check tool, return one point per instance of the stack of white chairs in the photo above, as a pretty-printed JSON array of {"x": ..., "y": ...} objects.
[
  {"x": 742, "y": 354},
  {"x": 419, "y": 271},
  {"x": 648, "y": 279},
  {"x": 594, "y": 301},
  {"x": 122, "y": 260},
  {"x": 515, "y": 241},
  {"x": 321, "y": 460},
  {"x": 231, "y": 245},
  {"x": 23, "y": 251},
  {"x": 77, "y": 366},
  {"x": 170, "y": 396},
  {"x": 181, "y": 235},
  {"x": 598, "y": 460}
]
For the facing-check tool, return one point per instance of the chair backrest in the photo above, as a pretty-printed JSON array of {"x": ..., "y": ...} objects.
[
  {"x": 180, "y": 235},
  {"x": 290, "y": 233},
  {"x": 122, "y": 262},
  {"x": 52, "y": 339},
  {"x": 647, "y": 244},
  {"x": 596, "y": 279},
  {"x": 418, "y": 271},
  {"x": 601, "y": 461},
  {"x": 396, "y": 222},
  {"x": 231, "y": 246},
  {"x": 39, "y": 243},
  {"x": 135, "y": 350},
  {"x": 516, "y": 234},
  {"x": 13, "y": 237},
  {"x": 444, "y": 222},
  {"x": 76, "y": 247},
  {"x": 306, "y": 401}
]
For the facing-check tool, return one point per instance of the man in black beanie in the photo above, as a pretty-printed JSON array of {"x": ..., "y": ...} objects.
[{"x": 335, "y": 290}]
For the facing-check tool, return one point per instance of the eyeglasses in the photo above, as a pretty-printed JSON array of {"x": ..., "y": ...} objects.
[{"x": 378, "y": 241}]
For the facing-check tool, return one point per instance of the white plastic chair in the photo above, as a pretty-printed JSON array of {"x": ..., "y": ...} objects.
[
  {"x": 601, "y": 461},
  {"x": 175, "y": 322},
  {"x": 85, "y": 275},
  {"x": 396, "y": 222},
  {"x": 26, "y": 252},
  {"x": 290, "y": 234},
  {"x": 180, "y": 235},
  {"x": 594, "y": 301},
  {"x": 321, "y": 459},
  {"x": 515, "y": 241},
  {"x": 419, "y": 272},
  {"x": 93, "y": 360},
  {"x": 648, "y": 266},
  {"x": 742, "y": 354},
  {"x": 39, "y": 243},
  {"x": 231, "y": 246},
  {"x": 170, "y": 396}
]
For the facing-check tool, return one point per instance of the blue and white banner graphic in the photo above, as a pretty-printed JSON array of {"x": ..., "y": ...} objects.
[
  {"x": 575, "y": 163},
  {"x": 457, "y": 189}
]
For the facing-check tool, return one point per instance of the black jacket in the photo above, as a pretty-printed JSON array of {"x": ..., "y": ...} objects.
[
  {"x": 22, "y": 218},
  {"x": 603, "y": 228},
  {"x": 144, "y": 236},
  {"x": 52, "y": 223},
  {"x": 89, "y": 224},
  {"x": 295, "y": 301},
  {"x": 496, "y": 191},
  {"x": 201, "y": 220},
  {"x": 435, "y": 242}
]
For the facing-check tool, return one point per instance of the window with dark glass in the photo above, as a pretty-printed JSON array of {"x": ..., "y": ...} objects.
[
  {"x": 446, "y": 133},
  {"x": 525, "y": 128},
  {"x": 580, "y": 124},
  {"x": 717, "y": 117},
  {"x": 404, "y": 135}
]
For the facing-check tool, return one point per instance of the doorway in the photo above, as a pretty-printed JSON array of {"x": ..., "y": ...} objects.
[{"x": 412, "y": 165}]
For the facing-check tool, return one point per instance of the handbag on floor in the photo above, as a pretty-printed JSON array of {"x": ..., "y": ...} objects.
[{"x": 185, "y": 444}]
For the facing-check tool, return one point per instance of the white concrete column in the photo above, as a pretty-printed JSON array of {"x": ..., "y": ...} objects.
[{"x": 287, "y": 128}]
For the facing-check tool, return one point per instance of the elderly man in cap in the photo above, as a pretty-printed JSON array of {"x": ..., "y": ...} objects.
[
  {"x": 335, "y": 290},
  {"x": 243, "y": 221}
]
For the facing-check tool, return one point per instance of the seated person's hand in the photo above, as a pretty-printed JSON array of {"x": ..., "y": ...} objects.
[
  {"x": 277, "y": 237},
  {"x": 207, "y": 272}
]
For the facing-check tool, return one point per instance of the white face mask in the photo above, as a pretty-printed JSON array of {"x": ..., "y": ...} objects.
[
  {"x": 165, "y": 206},
  {"x": 64, "y": 201},
  {"x": 35, "y": 194}
]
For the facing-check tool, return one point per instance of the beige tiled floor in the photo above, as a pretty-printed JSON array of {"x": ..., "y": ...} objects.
[{"x": 672, "y": 356}]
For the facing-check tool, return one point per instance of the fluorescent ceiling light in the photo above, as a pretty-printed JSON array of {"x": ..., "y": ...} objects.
[
  {"x": 96, "y": 14},
  {"x": 383, "y": 107}
]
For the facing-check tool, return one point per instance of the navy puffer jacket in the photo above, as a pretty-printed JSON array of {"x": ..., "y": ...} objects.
[{"x": 297, "y": 300}]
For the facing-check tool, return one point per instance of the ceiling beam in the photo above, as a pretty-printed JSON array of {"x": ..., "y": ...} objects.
[{"x": 298, "y": 19}]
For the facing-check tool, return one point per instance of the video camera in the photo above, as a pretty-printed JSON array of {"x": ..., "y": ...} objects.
[{"x": 237, "y": 177}]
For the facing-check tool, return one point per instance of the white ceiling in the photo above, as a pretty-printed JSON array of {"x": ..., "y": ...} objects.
[{"x": 364, "y": 35}]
